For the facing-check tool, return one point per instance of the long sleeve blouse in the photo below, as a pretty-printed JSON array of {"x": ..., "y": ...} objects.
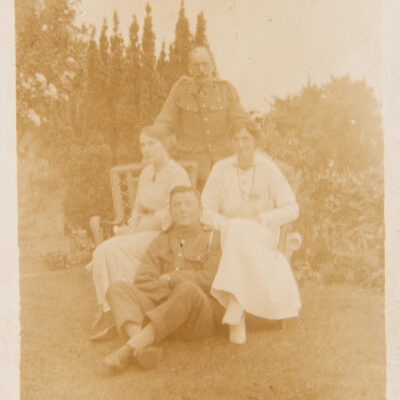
[
  {"x": 260, "y": 193},
  {"x": 152, "y": 195}
]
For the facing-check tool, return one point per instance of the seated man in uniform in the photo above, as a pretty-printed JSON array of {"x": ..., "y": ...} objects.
[{"x": 170, "y": 294}]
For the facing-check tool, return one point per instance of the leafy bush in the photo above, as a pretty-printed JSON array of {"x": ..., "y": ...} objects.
[
  {"x": 88, "y": 185},
  {"x": 336, "y": 140}
]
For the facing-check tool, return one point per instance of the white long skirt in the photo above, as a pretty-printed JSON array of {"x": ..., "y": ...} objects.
[
  {"x": 117, "y": 259},
  {"x": 255, "y": 272}
]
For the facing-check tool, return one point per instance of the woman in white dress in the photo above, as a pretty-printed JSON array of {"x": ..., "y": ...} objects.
[
  {"x": 247, "y": 198},
  {"x": 118, "y": 258}
]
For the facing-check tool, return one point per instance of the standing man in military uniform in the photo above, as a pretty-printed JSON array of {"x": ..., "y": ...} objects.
[{"x": 200, "y": 110}]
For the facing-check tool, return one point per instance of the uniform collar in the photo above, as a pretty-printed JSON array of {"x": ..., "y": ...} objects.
[
  {"x": 185, "y": 232},
  {"x": 196, "y": 88}
]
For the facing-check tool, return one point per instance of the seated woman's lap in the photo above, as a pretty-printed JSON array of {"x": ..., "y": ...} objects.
[
  {"x": 133, "y": 243},
  {"x": 239, "y": 230}
]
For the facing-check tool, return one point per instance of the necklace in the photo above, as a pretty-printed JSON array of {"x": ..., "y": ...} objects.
[{"x": 251, "y": 195}]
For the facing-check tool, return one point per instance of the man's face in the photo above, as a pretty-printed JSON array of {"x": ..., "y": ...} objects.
[
  {"x": 201, "y": 66},
  {"x": 185, "y": 209}
]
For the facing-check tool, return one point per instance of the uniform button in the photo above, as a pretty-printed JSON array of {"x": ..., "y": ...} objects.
[
  {"x": 205, "y": 118},
  {"x": 209, "y": 145},
  {"x": 208, "y": 132},
  {"x": 180, "y": 254},
  {"x": 203, "y": 105},
  {"x": 198, "y": 257},
  {"x": 177, "y": 269}
]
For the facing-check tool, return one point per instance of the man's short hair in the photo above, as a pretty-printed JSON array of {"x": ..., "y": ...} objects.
[{"x": 184, "y": 189}]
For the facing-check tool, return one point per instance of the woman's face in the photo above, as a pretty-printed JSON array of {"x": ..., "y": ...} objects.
[
  {"x": 243, "y": 144},
  {"x": 152, "y": 149}
]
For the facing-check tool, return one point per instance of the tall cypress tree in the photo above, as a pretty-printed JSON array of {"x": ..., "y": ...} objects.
[
  {"x": 162, "y": 60},
  {"x": 116, "y": 60},
  {"x": 91, "y": 106},
  {"x": 115, "y": 87},
  {"x": 103, "y": 47},
  {"x": 160, "y": 89},
  {"x": 132, "y": 70},
  {"x": 200, "y": 38},
  {"x": 104, "y": 112},
  {"x": 148, "y": 67},
  {"x": 181, "y": 46},
  {"x": 128, "y": 150}
]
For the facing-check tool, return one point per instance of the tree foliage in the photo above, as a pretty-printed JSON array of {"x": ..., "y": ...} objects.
[
  {"x": 333, "y": 133},
  {"x": 340, "y": 121},
  {"x": 86, "y": 99},
  {"x": 182, "y": 44},
  {"x": 200, "y": 37}
]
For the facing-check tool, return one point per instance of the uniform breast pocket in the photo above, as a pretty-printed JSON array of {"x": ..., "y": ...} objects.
[{"x": 195, "y": 258}]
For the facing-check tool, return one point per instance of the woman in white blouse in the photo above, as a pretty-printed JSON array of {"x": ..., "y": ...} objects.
[
  {"x": 118, "y": 258},
  {"x": 247, "y": 198}
]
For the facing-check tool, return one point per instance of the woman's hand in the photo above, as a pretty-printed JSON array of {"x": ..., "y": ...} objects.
[{"x": 247, "y": 211}]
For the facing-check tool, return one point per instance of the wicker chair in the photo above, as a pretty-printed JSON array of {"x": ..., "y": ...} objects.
[
  {"x": 289, "y": 240},
  {"x": 124, "y": 179}
]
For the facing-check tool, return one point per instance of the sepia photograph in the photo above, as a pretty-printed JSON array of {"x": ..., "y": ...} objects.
[{"x": 200, "y": 200}]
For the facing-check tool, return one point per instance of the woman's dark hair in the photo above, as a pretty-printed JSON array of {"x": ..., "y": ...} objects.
[
  {"x": 162, "y": 134},
  {"x": 250, "y": 126}
]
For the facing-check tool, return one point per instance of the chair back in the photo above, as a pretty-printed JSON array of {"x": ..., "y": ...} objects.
[
  {"x": 294, "y": 179},
  {"x": 124, "y": 179}
]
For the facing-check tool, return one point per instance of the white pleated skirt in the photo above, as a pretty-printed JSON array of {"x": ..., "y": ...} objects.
[{"x": 255, "y": 272}]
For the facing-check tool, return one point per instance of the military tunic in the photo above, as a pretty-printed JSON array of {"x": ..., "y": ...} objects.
[
  {"x": 181, "y": 305},
  {"x": 201, "y": 118}
]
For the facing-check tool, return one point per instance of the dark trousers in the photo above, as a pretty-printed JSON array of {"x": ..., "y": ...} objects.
[{"x": 187, "y": 313}]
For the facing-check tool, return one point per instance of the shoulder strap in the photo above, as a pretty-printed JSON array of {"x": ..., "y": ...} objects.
[{"x": 210, "y": 240}]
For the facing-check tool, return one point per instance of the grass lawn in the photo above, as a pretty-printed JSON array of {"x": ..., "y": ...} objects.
[{"x": 334, "y": 350}]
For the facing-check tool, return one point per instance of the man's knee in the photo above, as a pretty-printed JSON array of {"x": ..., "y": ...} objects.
[
  {"x": 190, "y": 293},
  {"x": 101, "y": 250},
  {"x": 98, "y": 251},
  {"x": 200, "y": 320},
  {"x": 106, "y": 245}
]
